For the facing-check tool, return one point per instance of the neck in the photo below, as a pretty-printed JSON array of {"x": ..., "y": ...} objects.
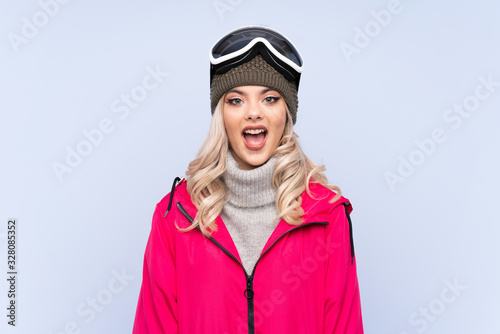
[{"x": 249, "y": 188}]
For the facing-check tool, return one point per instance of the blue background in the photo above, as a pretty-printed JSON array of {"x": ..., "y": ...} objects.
[{"x": 380, "y": 77}]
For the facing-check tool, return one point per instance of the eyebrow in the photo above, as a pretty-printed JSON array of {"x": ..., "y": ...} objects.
[{"x": 265, "y": 90}]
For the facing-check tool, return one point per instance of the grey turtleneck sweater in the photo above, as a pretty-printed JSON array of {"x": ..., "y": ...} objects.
[{"x": 249, "y": 215}]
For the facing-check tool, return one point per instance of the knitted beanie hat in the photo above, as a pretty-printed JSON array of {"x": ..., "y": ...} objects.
[{"x": 255, "y": 72}]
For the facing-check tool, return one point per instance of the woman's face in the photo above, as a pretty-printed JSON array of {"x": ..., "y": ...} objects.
[{"x": 254, "y": 118}]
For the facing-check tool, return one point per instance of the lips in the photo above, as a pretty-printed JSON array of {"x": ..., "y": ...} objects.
[{"x": 254, "y": 137}]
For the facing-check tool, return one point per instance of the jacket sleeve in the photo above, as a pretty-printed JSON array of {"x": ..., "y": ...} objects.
[
  {"x": 342, "y": 303},
  {"x": 157, "y": 306}
]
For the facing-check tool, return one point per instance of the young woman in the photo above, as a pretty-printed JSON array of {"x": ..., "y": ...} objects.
[{"x": 253, "y": 240}]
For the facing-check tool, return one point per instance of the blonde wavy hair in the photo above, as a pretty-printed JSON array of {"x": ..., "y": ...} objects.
[{"x": 292, "y": 171}]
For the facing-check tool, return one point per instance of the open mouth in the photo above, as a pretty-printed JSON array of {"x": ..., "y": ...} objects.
[{"x": 255, "y": 139}]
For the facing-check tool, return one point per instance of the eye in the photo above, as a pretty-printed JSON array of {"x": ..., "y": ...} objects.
[
  {"x": 234, "y": 101},
  {"x": 271, "y": 99}
]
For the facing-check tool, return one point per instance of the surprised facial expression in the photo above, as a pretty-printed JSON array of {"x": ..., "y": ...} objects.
[{"x": 254, "y": 118}]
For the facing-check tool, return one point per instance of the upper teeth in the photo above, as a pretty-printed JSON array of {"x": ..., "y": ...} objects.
[{"x": 254, "y": 132}]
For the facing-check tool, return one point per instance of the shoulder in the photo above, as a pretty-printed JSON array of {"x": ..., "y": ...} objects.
[
  {"x": 178, "y": 192},
  {"x": 337, "y": 213},
  {"x": 321, "y": 199}
]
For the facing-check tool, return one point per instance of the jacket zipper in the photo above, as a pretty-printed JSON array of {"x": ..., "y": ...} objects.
[{"x": 248, "y": 293}]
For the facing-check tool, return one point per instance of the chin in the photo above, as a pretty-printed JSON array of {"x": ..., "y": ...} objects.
[
  {"x": 256, "y": 162},
  {"x": 252, "y": 159}
]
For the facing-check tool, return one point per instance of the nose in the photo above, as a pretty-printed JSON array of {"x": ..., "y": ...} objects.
[{"x": 253, "y": 112}]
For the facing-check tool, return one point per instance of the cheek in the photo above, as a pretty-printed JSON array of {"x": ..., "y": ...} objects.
[
  {"x": 281, "y": 122},
  {"x": 283, "y": 116},
  {"x": 232, "y": 129}
]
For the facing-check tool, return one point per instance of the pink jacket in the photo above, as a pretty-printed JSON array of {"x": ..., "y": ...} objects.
[{"x": 305, "y": 280}]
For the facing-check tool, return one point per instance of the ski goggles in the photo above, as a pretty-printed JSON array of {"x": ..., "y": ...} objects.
[{"x": 242, "y": 44}]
